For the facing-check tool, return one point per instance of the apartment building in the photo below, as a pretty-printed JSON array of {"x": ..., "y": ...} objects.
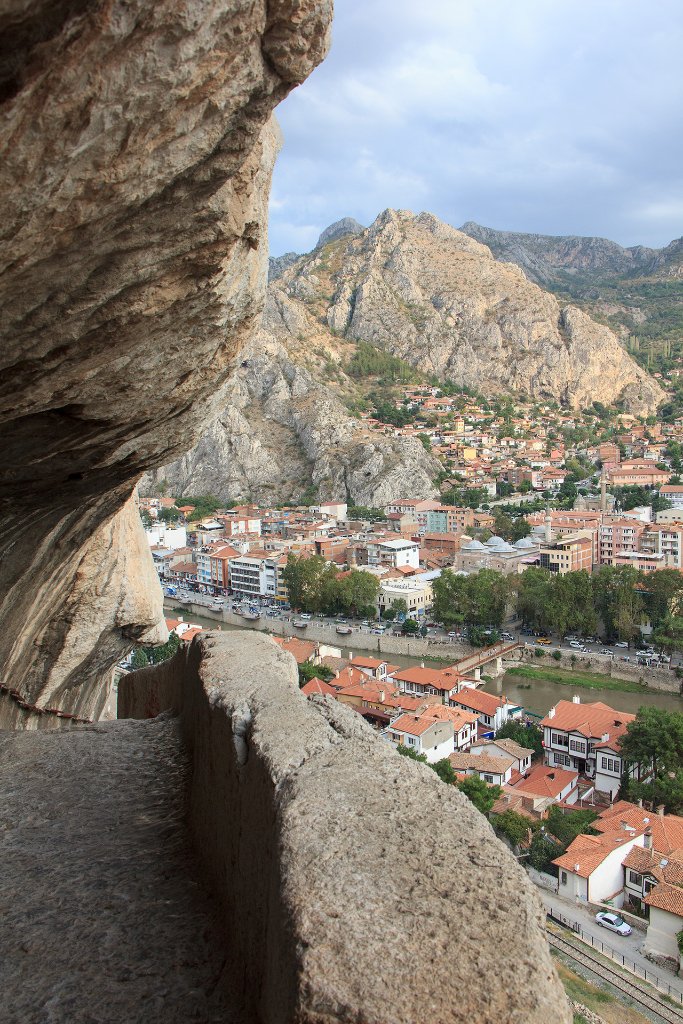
[
  {"x": 617, "y": 536},
  {"x": 449, "y": 519},
  {"x": 570, "y": 553},
  {"x": 672, "y": 493},
  {"x": 394, "y": 554},
  {"x": 255, "y": 574}
]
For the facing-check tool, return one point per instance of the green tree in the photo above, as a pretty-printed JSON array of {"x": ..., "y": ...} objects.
[
  {"x": 204, "y": 505},
  {"x": 444, "y": 769},
  {"x": 358, "y": 591},
  {"x": 411, "y": 754},
  {"x": 515, "y": 827},
  {"x": 542, "y": 851},
  {"x": 303, "y": 578},
  {"x": 479, "y": 792},
  {"x": 410, "y": 627},
  {"x": 165, "y": 651},
  {"x": 618, "y": 601},
  {"x": 529, "y": 736},
  {"x": 168, "y": 515},
  {"x": 139, "y": 658},
  {"x": 400, "y": 607},
  {"x": 308, "y": 671}
]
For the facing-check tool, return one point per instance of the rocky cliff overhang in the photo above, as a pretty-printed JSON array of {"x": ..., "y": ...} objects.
[{"x": 137, "y": 147}]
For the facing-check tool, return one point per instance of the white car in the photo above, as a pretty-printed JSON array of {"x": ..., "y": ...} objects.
[
  {"x": 305, "y": 616},
  {"x": 614, "y": 922},
  {"x": 622, "y": 643},
  {"x": 575, "y": 643}
]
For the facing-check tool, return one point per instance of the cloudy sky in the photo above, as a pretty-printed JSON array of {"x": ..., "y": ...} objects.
[{"x": 555, "y": 116}]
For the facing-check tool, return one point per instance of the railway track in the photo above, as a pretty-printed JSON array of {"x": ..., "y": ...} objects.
[{"x": 629, "y": 987}]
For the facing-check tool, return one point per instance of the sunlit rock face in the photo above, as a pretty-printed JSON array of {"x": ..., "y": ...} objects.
[{"x": 138, "y": 146}]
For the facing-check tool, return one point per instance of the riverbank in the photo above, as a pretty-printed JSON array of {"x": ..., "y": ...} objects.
[
  {"x": 437, "y": 652},
  {"x": 584, "y": 680}
]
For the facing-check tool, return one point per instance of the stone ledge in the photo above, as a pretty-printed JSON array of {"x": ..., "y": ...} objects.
[{"x": 356, "y": 885}]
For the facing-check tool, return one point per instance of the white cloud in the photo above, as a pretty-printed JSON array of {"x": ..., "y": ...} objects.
[{"x": 557, "y": 117}]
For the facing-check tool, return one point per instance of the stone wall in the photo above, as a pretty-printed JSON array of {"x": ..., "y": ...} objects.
[
  {"x": 414, "y": 647},
  {"x": 656, "y": 678},
  {"x": 359, "y": 887}
]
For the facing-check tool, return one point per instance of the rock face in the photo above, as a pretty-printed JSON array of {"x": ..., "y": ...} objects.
[
  {"x": 544, "y": 257},
  {"x": 431, "y": 295},
  {"x": 421, "y": 290},
  {"x": 340, "y": 229},
  {"x": 138, "y": 150},
  {"x": 283, "y": 431}
]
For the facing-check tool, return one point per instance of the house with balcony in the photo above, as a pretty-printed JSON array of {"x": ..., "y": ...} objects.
[
  {"x": 255, "y": 574},
  {"x": 585, "y": 738}
]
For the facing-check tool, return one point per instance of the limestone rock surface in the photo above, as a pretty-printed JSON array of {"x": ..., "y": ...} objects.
[
  {"x": 137, "y": 149},
  {"x": 283, "y": 431}
]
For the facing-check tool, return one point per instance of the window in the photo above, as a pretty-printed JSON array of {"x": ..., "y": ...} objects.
[
  {"x": 635, "y": 879},
  {"x": 562, "y": 758},
  {"x": 488, "y": 778},
  {"x": 648, "y": 884},
  {"x": 611, "y": 764},
  {"x": 559, "y": 739},
  {"x": 563, "y": 877},
  {"x": 578, "y": 745}
]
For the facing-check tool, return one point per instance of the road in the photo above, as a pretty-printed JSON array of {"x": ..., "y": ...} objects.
[
  {"x": 617, "y": 653},
  {"x": 628, "y": 945}
]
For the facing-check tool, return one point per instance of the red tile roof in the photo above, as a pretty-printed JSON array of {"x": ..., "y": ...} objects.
[
  {"x": 546, "y": 781},
  {"x": 590, "y": 720}
]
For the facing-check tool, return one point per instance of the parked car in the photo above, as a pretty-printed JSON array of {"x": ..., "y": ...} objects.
[
  {"x": 575, "y": 643},
  {"x": 305, "y": 616},
  {"x": 507, "y": 636},
  {"x": 622, "y": 643},
  {"x": 614, "y": 922},
  {"x": 544, "y": 640}
]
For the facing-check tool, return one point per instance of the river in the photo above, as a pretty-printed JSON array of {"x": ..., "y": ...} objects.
[{"x": 536, "y": 695}]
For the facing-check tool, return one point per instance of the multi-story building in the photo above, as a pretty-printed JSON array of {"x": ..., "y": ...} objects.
[
  {"x": 618, "y": 535},
  {"x": 570, "y": 553},
  {"x": 416, "y": 591},
  {"x": 586, "y": 738},
  {"x": 449, "y": 519},
  {"x": 255, "y": 574},
  {"x": 665, "y": 540},
  {"x": 672, "y": 493},
  {"x": 639, "y": 472},
  {"x": 394, "y": 554}
]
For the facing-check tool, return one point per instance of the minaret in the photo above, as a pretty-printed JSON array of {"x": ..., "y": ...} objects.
[
  {"x": 548, "y": 525},
  {"x": 603, "y": 490}
]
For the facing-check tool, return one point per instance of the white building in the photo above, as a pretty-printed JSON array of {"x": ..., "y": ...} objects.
[
  {"x": 428, "y": 736},
  {"x": 171, "y": 537},
  {"x": 585, "y": 738},
  {"x": 592, "y": 868},
  {"x": 394, "y": 554},
  {"x": 490, "y": 768},
  {"x": 254, "y": 574},
  {"x": 416, "y": 591}
]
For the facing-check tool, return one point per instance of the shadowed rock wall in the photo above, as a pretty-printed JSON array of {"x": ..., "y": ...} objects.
[
  {"x": 137, "y": 151},
  {"x": 356, "y": 886}
]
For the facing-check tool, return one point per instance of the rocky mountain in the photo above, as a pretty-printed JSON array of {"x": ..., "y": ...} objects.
[
  {"x": 546, "y": 258},
  {"x": 431, "y": 295},
  {"x": 284, "y": 433},
  {"x": 340, "y": 229},
  {"x": 417, "y": 289},
  {"x": 637, "y": 292}
]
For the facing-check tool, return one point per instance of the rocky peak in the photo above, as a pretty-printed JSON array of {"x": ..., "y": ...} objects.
[{"x": 340, "y": 229}]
